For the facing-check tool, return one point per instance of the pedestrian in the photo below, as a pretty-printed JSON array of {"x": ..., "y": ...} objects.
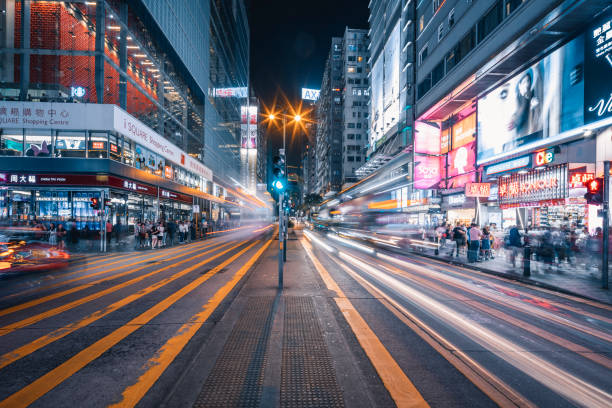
[
  {"x": 475, "y": 236},
  {"x": 181, "y": 230},
  {"x": 161, "y": 235},
  {"x": 514, "y": 243},
  {"x": 171, "y": 231},
  {"x": 486, "y": 243},
  {"x": 154, "y": 235},
  {"x": 61, "y": 236},
  {"x": 118, "y": 231},
  {"x": 204, "y": 227},
  {"x": 459, "y": 237},
  {"x": 109, "y": 232},
  {"x": 52, "y": 235}
]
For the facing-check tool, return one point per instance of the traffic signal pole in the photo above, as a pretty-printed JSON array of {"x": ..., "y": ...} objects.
[
  {"x": 280, "y": 240},
  {"x": 285, "y": 221},
  {"x": 605, "y": 247}
]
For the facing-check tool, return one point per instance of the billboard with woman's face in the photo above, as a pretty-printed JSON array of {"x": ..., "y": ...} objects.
[{"x": 535, "y": 106}]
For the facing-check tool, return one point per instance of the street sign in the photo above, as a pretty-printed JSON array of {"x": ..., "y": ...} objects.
[{"x": 196, "y": 208}]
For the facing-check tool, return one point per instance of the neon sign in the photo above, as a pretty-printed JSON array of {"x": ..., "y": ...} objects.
[
  {"x": 544, "y": 157},
  {"x": 577, "y": 180}
]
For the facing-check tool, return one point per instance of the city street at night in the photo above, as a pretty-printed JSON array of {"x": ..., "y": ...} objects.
[{"x": 348, "y": 203}]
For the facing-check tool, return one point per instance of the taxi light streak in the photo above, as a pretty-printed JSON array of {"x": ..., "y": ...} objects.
[
  {"x": 562, "y": 382},
  {"x": 312, "y": 238},
  {"x": 353, "y": 244}
]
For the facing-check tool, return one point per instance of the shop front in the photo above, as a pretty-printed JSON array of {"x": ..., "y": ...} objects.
[{"x": 459, "y": 209}]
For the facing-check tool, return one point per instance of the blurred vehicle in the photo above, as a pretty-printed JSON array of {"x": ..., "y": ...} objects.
[{"x": 25, "y": 250}]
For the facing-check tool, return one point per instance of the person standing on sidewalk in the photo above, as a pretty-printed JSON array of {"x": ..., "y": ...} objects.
[
  {"x": 204, "y": 227},
  {"x": 171, "y": 227},
  {"x": 109, "y": 232},
  {"x": 514, "y": 243},
  {"x": 475, "y": 235},
  {"x": 459, "y": 236}
]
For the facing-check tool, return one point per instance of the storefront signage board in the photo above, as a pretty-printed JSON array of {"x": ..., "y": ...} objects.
[
  {"x": 464, "y": 131},
  {"x": 427, "y": 171},
  {"x": 544, "y": 157},
  {"x": 509, "y": 165},
  {"x": 175, "y": 196},
  {"x": 577, "y": 180},
  {"x": 426, "y": 138},
  {"x": 477, "y": 189},
  {"x": 535, "y": 186}
]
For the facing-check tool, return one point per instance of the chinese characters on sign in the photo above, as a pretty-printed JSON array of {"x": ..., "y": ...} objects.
[
  {"x": 477, "y": 189},
  {"x": 17, "y": 178},
  {"x": 577, "y": 180},
  {"x": 533, "y": 187}
]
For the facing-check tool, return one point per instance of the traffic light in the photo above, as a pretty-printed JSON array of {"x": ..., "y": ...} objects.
[
  {"x": 95, "y": 203},
  {"x": 278, "y": 173},
  {"x": 594, "y": 194}
]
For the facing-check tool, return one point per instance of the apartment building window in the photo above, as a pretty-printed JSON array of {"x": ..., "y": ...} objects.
[
  {"x": 423, "y": 53},
  {"x": 490, "y": 21},
  {"x": 350, "y": 136},
  {"x": 359, "y": 58},
  {"x": 440, "y": 31},
  {"x": 351, "y": 58},
  {"x": 358, "y": 136},
  {"x": 366, "y": 92},
  {"x": 451, "y": 18},
  {"x": 358, "y": 159},
  {"x": 512, "y": 5},
  {"x": 357, "y": 81},
  {"x": 467, "y": 43},
  {"x": 350, "y": 125},
  {"x": 350, "y": 70},
  {"x": 350, "y": 158},
  {"x": 421, "y": 23},
  {"x": 359, "y": 70},
  {"x": 436, "y": 5},
  {"x": 438, "y": 73},
  {"x": 358, "y": 125}
]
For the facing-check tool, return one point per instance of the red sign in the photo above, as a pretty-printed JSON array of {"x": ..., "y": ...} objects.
[
  {"x": 175, "y": 196},
  {"x": 516, "y": 188},
  {"x": 97, "y": 145},
  {"x": 478, "y": 189},
  {"x": 577, "y": 180},
  {"x": 132, "y": 186},
  {"x": 169, "y": 172},
  {"x": 113, "y": 148}
]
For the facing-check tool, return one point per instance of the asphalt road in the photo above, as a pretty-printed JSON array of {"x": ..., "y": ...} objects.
[
  {"x": 518, "y": 345},
  {"x": 105, "y": 330}
]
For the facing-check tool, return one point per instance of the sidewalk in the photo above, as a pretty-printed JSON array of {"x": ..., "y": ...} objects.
[
  {"x": 280, "y": 349},
  {"x": 576, "y": 280}
]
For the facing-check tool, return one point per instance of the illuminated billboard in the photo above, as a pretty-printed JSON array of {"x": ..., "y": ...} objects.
[
  {"x": 427, "y": 171},
  {"x": 461, "y": 160},
  {"x": 310, "y": 94},
  {"x": 535, "y": 107},
  {"x": 235, "y": 92},
  {"x": 248, "y": 127},
  {"x": 464, "y": 131},
  {"x": 426, "y": 137},
  {"x": 598, "y": 70},
  {"x": 385, "y": 86}
]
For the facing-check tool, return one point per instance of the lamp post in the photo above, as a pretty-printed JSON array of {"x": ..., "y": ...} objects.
[{"x": 282, "y": 217}]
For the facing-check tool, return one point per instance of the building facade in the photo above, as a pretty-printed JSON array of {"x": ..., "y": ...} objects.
[
  {"x": 342, "y": 111},
  {"x": 510, "y": 113},
  {"x": 123, "y": 101}
]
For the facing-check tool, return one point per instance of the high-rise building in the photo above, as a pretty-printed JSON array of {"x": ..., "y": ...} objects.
[
  {"x": 497, "y": 116},
  {"x": 136, "y": 101},
  {"x": 342, "y": 113}
]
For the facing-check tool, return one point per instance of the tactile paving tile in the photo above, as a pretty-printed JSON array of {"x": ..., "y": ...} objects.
[
  {"x": 236, "y": 379},
  {"x": 308, "y": 377}
]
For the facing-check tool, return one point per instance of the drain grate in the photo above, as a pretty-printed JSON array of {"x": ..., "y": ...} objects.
[
  {"x": 236, "y": 379},
  {"x": 308, "y": 377}
]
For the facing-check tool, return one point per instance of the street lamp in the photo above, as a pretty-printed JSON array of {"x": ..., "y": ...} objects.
[{"x": 282, "y": 222}]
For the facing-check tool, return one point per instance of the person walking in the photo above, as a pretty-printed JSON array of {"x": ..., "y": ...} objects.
[
  {"x": 52, "y": 235},
  {"x": 154, "y": 235},
  {"x": 161, "y": 234},
  {"x": 171, "y": 226},
  {"x": 459, "y": 237},
  {"x": 485, "y": 244},
  {"x": 474, "y": 249},
  {"x": 204, "y": 227},
  {"x": 109, "y": 232},
  {"x": 514, "y": 244},
  {"x": 61, "y": 236}
]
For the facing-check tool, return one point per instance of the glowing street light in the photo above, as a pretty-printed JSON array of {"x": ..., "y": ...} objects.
[{"x": 297, "y": 118}]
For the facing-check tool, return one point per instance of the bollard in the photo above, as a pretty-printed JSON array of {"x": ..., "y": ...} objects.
[{"x": 526, "y": 261}]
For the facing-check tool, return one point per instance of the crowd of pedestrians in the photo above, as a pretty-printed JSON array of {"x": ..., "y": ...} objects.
[{"x": 553, "y": 247}]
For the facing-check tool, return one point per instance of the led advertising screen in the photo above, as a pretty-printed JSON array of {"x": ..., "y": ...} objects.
[
  {"x": 445, "y": 141},
  {"x": 598, "y": 70},
  {"x": 377, "y": 101},
  {"x": 534, "y": 107},
  {"x": 464, "y": 131},
  {"x": 248, "y": 127},
  {"x": 427, "y": 171},
  {"x": 391, "y": 79},
  {"x": 426, "y": 137},
  {"x": 461, "y": 160},
  {"x": 461, "y": 181}
]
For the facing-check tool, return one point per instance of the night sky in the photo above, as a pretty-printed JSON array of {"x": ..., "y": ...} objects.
[{"x": 290, "y": 41}]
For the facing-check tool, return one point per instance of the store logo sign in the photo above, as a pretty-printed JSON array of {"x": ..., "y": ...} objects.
[
  {"x": 544, "y": 157},
  {"x": 77, "y": 91}
]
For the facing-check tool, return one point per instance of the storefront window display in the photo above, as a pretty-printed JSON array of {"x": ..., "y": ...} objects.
[
  {"x": 38, "y": 143},
  {"x": 98, "y": 144},
  {"x": 70, "y": 144},
  {"x": 11, "y": 142}
]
